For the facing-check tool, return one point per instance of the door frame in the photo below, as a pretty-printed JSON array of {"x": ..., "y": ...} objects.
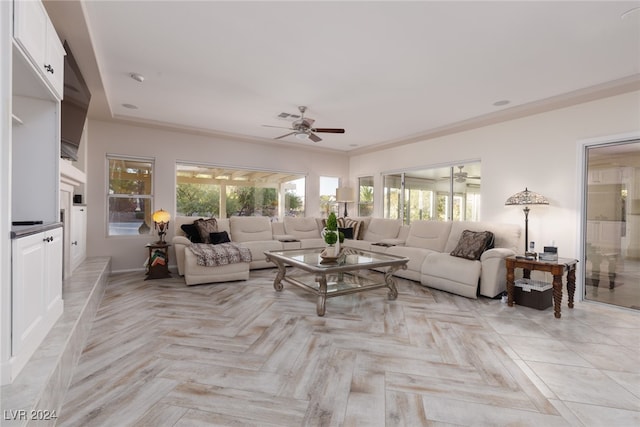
[{"x": 582, "y": 180}]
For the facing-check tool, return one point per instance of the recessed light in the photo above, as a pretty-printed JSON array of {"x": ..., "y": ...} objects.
[
  {"x": 130, "y": 106},
  {"x": 501, "y": 103},
  {"x": 137, "y": 77}
]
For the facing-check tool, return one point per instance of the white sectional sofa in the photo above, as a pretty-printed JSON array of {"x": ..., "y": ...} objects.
[{"x": 427, "y": 244}]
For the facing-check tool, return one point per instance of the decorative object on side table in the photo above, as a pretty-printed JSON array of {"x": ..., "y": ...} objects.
[
  {"x": 526, "y": 198},
  {"x": 161, "y": 223}
]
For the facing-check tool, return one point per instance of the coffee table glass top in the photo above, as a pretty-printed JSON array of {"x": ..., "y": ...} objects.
[{"x": 310, "y": 258}]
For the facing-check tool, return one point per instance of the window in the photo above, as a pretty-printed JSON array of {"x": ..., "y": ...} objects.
[
  {"x": 129, "y": 196},
  {"x": 209, "y": 190},
  {"x": 443, "y": 194},
  {"x": 365, "y": 196},
  {"x": 328, "y": 186}
]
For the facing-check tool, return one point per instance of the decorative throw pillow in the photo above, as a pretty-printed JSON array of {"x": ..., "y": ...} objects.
[
  {"x": 472, "y": 244},
  {"x": 206, "y": 227},
  {"x": 192, "y": 233},
  {"x": 347, "y": 231},
  {"x": 219, "y": 237},
  {"x": 351, "y": 223}
]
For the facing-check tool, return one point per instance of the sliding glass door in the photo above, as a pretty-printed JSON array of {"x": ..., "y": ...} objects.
[{"x": 612, "y": 218}]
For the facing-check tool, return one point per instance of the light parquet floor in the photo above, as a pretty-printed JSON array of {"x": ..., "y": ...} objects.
[{"x": 241, "y": 354}]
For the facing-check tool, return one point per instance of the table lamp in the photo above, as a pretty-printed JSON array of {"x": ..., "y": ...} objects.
[
  {"x": 344, "y": 195},
  {"x": 526, "y": 198},
  {"x": 161, "y": 223}
]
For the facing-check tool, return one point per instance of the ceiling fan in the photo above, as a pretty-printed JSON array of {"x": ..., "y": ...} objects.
[
  {"x": 303, "y": 128},
  {"x": 461, "y": 176}
]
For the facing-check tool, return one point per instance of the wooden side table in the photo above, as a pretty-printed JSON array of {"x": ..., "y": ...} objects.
[
  {"x": 158, "y": 262},
  {"x": 556, "y": 268}
]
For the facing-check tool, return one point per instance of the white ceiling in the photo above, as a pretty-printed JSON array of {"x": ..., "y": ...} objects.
[{"x": 388, "y": 72}]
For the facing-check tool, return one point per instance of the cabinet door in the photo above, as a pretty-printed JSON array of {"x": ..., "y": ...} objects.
[
  {"x": 30, "y": 29},
  {"x": 53, "y": 273},
  {"x": 78, "y": 235},
  {"x": 54, "y": 60},
  {"x": 28, "y": 293},
  {"x": 35, "y": 33}
]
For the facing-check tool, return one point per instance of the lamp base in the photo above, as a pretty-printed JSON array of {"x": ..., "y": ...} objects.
[{"x": 533, "y": 255}]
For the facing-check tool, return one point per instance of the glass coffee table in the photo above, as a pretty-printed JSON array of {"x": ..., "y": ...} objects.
[{"x": 343, "y": 276}]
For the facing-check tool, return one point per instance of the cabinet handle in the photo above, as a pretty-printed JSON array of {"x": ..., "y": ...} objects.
[
  {"x": 74, "y": 243},
  {"x": 48, "y": 239},
  {"x": 49, "y": 68}
]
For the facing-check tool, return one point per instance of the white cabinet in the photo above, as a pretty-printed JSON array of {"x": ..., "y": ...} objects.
[
  {"x": 36, "y": 291},
  {"x": 78, "y": 235},
  {"x": 34, "y": 32}
]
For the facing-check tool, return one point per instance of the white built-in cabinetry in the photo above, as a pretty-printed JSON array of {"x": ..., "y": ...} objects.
[
  {"x": 35, "y": 303},
  {"x": 34, "y": 32},
  {"x": 78, "y": 245},
  {"x": 37, "y": 290}
]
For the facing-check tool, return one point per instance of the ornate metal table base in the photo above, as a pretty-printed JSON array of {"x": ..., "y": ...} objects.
[{"x": 338, "y": 279}]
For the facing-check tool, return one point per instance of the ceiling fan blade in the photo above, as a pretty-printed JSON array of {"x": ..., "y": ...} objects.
[
  {"x": 328, "y": 130},
  {"x": 279, "y": 127},
  {"x": 314, "y": 137},
  {"x": 284, "y": 136}
]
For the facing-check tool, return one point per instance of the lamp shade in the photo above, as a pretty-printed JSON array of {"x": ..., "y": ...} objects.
[
  {"x": 344, "y": 194},
  {"x": 526, "y": 197},
  {"x": 161, "y": 216}
]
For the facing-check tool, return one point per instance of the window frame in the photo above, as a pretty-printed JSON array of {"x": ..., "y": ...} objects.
[{"x": 121, "y": 196}]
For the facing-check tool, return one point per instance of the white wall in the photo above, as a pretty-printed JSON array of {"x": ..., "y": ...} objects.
[
  {"x": 167, "y": 147},
  {"x": 538, "y": 152},
  {"x": 6, "y": 31}
]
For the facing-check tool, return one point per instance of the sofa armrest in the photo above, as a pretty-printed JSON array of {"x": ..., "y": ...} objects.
[
  {"x": 284, "y": 237},
  {"x": 493, "y": 275},
  {"x": 392, "y": 242},
  {"x": 496, "y": 253},
  {"x": 181, "y": 240},
  {"x": 180, "y": 243}
]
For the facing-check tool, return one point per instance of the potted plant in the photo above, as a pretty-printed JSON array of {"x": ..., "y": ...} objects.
[{"x": 331, "y": 236}]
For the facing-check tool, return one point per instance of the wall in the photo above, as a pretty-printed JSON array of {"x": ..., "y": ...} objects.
[
  {"x": 168, "y": 147},
  {"x": 539, "y": 152},
  {"x": 6, "y": 31}
]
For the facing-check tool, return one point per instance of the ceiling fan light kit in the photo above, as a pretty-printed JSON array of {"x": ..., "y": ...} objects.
[{"x": 303, "y": 130}]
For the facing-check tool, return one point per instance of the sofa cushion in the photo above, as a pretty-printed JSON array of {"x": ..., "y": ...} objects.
[
  {"x": 206, "y": 227},
  {"x": 472, "y": 244},
  {"x": 250, "y": 228},
  {"x": 428, "y": 234},
  {"x": 382, "y": 228},
  {"x": 301, "y": 227},
  {"x": 219, "y": 237},
  {"x": 192, "y": 233}
]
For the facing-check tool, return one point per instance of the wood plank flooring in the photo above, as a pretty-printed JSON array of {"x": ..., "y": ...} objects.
[{"x": 241, "y": 354}]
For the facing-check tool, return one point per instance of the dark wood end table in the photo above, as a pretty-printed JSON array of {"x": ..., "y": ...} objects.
[
  {"x": 556, "y": 268},
  {"x": 158, "y": 262}
]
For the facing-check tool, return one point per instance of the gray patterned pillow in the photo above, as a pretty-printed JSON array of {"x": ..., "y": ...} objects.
[
  {"x": 472, "y": 244},
  {"x": 205, "y": 228}
]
